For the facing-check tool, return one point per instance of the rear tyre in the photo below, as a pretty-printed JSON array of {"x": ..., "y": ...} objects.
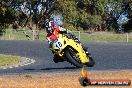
[{"x": 71, "y": 56}]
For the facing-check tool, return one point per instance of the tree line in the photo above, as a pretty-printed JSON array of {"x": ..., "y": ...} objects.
[{"x": 93, "y": 15}]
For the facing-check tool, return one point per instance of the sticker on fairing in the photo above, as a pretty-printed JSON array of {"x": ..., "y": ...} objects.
[{"x": 58, "y": 44}]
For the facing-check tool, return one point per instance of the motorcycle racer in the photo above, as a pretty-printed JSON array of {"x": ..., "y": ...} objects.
[{"x": 53, "y": 30}]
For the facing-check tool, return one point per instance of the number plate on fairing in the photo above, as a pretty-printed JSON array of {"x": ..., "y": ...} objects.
[{"x": 58, "y": 44}]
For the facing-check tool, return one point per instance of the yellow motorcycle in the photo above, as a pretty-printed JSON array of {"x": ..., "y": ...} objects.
[{"x": 66, "y": 49}]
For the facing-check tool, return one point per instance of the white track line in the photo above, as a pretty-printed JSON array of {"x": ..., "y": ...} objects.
[{"x": 23, "y": 62}]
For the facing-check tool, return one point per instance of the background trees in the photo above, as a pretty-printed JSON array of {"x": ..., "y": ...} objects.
[
  {"x": 30, "y": 13},
  {"x": 7, "y": 15},
  {"x": 94, "y": 15}
]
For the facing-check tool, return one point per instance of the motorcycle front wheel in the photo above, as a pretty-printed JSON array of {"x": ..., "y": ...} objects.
[
  {"x": 91, "y": 62},
  {"x": 71, "y": 56}
]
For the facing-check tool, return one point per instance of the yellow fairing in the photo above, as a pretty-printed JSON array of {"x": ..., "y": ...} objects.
[{"x": 78, "y": 47}]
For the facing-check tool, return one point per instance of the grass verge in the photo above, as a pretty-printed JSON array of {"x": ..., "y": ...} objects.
[
  {"x": 105, "y": 37},
  {"x": 84, "y": 37},
  {"x": 6, "y": 60}
]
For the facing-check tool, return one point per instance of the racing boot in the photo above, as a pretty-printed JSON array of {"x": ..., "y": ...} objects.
[{"x": 57, "y": 59}]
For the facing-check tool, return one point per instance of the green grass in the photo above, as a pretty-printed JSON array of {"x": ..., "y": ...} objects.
[
  {"x": 103, "y": 37},
  {"x": 130, "y": 37},
  {"x": 6, "y": 60},
  {"x": 19, "y": 35},
  {"x": 84, "y": 37}
]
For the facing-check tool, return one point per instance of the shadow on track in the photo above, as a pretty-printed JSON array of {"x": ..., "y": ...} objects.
[{"x": 45, "y": 69}]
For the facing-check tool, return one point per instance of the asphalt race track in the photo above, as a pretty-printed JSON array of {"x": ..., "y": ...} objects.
[{"x": 108, "y": 56}]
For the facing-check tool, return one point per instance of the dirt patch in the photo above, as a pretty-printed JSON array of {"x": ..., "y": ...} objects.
[{"x": 59, "y": 80}]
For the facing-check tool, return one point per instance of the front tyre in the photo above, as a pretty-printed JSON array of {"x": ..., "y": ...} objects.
[
  {"x": 91, "y": 62},
  {"x": 71, "y": 56}
]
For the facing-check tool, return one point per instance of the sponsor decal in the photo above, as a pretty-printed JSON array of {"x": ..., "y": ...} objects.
[{"x": 86, "y": 81}]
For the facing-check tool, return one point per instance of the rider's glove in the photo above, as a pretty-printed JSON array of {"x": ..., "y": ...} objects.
[{"x": 63, "y": 30}]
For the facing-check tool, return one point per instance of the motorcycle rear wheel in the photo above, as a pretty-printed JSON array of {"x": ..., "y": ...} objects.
[{"x": 71, "y": 56}]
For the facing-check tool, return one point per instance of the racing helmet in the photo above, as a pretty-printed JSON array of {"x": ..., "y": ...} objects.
[{"x": 50, "y": 26}]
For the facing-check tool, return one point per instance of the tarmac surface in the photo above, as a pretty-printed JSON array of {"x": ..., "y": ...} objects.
[{"x": 108, "y": 56}]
